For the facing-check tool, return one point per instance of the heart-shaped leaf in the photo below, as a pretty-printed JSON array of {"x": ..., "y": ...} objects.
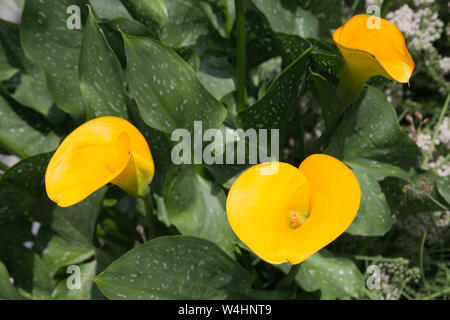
[{"x": 175, "y": 267}]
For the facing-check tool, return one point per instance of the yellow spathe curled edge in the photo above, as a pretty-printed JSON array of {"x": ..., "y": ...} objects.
[
  {"x": 370, "y": 49},
  {"x": 260, "y": 207},
  {"x": 102, "y": 150}
]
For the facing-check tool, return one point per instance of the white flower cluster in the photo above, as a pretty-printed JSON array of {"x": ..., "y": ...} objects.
[
  {"x": 444, "y": 64},
  {"x": 424, "y": 140},
  {"x": 421, "y": 28},
  {"x": 394, "y": 276},
  {"x": 444, "y": 133}
]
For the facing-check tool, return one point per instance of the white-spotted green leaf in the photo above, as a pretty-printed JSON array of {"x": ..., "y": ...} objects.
[
  {"x": 23, "y": 131},
  {"x": 21, "y": 186},
  {"x": 48, "y": 41},
  {"x": 175, "y": 267},
  {"x": 32, "y": 91},
  {"x": 152, "y": 13},
  {"x": 289, "y": 20},
  {"x": 335, "y": 277},
  {"x": 167, "y": 91},
  {"x": 371, "y": 142},
  {"x": 66, "y": 234},
  {"x": 218, "y": 76},
  {"x": 193, "y": 20},
  {"x": 275, "y": 107},
  {"x": 100, "y": 75},
  {"x": 197, "y": 207},
  {"x": 109, "y": 9}
]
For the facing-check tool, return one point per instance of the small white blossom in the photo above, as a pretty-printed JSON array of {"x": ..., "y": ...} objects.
[{"x": 444, "y": 64}]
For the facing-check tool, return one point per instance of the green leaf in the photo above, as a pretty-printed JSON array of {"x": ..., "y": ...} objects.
[
  {"x": 152, "y": 13},
  {"x": 114, "y": 37},
  {"x": 66, "y": 235},
  {"x": 48, "y": 41},
  {"x": 7, "y": 289},
  {"x": 197, "y": 207},
  {"x": 21, "y": 186},
  {"x": 370, "y": 130},
  {"x": 24, "y": 132},
  {"x": 187, "y": 25},
  {"x": 374, "y": 214},
  {"x": 109, "y": 9},
  {"x": 100, "y": 75},
  {"x": 335, "y": 277},
  {"x": 175, "y": 267},
  {"x": 167, "y": 91},
  {"x": 32, "y": 91},
  {"x": 218, "y": 76},
  {"x": 259, "y": 38},
  {"x": 7, "y": 70},
  {"x": 371, "y": 142},
  {"x": 277, "y": 105},
  {"x": 329, "y": 13},
  {"x": 87, "y": 291},
  {"x": 26, "y": 268},
  {"x": 289, "y": 20}
]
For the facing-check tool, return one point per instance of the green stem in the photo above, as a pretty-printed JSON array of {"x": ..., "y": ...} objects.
[
  {"x": 421, "y": 259},
  {"x": 290, "y": 277},
  {"x": 328, "y": 131},
  {"x": 241, "y": 54},
  {"x": 437, "y": 294},
  {"x": 301, "y": 138},
  {"x": 151, "y": 217},
  {"x": 436, "y": 131}
]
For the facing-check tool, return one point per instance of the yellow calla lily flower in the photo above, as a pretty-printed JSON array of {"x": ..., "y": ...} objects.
[
  {"x": 102, "y": 150},
  {"x": 370, "y": 50},
  {"x": 289, "y": 215}
]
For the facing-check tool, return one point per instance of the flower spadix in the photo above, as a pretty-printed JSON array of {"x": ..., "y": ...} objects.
[
  {"x": 102, "y": 150},
  {"x": 370, "y": 49},
  {"x": 287, "y": 214}
]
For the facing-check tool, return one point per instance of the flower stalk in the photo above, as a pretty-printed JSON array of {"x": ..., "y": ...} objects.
[
  {"x": 151, "y": 217},
  {"x": 290, "y": 277}
]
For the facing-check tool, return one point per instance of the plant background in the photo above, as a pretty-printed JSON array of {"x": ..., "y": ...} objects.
[{"x": 396, "y": 139}]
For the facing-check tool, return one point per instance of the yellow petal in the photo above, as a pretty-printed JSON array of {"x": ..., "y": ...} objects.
[
  {"x": 96, "y": 153},
  {"x": 374, "y": 51},
  {"x": 259, "y": 207}
]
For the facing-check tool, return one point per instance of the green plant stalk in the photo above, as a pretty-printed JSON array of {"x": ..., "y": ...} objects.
[
  {"x": 151, "y": 217},
  {"x": 437, "y": 294},
  {"x": 240, "y": 54},
  {"x": 421, "y": 259},
  {"x": 436, "y": 132},
  {"x": 290, "y": 277}
]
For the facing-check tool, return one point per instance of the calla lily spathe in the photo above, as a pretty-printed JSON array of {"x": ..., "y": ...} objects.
[
  {"x": 289, "y": 215},
  {"x": 370, "y": 50},
  {"x": 102, "y": 150}
]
